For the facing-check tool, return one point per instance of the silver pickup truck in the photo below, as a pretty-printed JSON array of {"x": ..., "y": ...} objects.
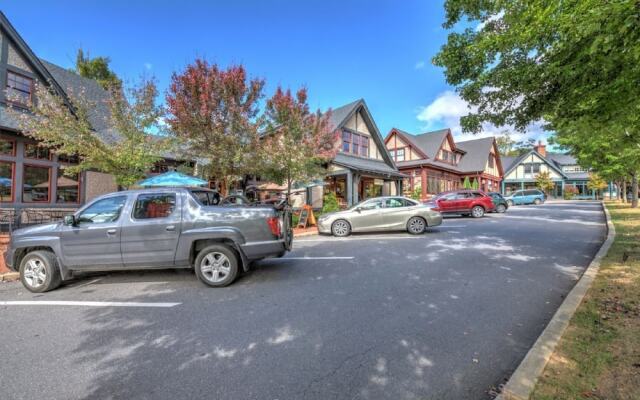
[{"x": 152, "y": 228}]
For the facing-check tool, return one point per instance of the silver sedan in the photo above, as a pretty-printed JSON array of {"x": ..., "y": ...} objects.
[{"x": 380, "y": 214}]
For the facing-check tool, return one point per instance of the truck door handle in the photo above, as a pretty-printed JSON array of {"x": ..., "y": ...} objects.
[
  {"x": 111, "y": 231},
  {"x": 170, "y": 228}
]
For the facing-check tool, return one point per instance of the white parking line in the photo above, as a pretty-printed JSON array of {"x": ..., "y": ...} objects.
[
  {"x": 317, "y": 258},
  {"x": 87, "y": 303},
  {"x": 329, "y": 239}
]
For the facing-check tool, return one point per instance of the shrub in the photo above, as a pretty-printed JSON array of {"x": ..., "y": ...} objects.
[
  {"x": 570, "y": 192},
  {"x": 417, "y": 193},
  {"x": 330, "y": 203}
]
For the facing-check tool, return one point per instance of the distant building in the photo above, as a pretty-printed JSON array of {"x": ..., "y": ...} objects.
[
  {"x": 434, "y": 162},
  {"x": 520, "y": 172}
]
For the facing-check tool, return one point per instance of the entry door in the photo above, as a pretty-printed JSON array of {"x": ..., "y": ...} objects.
[
  {"x": 95, "y": 241},
  {"x": 368, "y": 216},
  {"x": 150, "y": 234}
]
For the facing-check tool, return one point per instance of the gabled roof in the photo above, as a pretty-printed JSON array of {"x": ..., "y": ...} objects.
[
  {"x": 406, "y": 137},
  {"x": 366, "y": 164},
  {"x": 430, "y": 142},
  {"x": 477, "y": 154},
  {"x": 340, "y": 116},
  {"x": 519, "y": 159}
]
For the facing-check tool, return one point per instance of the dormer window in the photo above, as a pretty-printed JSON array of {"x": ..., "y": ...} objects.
[
  {"x": 354, "y": 143},
  {"x": 19, "y": 88}
]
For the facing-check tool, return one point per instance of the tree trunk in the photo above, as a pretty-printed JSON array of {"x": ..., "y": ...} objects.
[
  {"x": 288, "y": 191},
  {"x": 634, "y": 190},
  {"x": 624, "y": 190}
]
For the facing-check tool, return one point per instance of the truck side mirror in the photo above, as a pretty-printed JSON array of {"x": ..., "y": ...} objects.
[{"x": 70, "y": 220}]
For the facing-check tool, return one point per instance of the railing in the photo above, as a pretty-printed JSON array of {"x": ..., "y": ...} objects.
[{"x": 11, "y": 218}]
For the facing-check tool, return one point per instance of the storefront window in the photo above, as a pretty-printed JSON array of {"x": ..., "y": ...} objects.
[
  {"x": 67, "y": 187},
  {"x": 32, "y": 150},
  {"x": 6, "y": 182},
  {"x": 36, "y": 184},
  {"x": 7, "y": 147}
]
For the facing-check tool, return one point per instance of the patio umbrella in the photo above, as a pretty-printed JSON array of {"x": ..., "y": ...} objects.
[{"x": 173, "y": 178}]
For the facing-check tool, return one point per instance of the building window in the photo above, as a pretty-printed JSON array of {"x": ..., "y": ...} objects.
[
  {"x": 36, "y": 184},
  {"x": 7, "y": 147},
  {"x": 6, "y": 182},
  {"x": 68, "y": 159},
  {"x": 533, "y": 168},
  {"x": 19, "y": 88},
  {"x": 67, "y": 187},
  {"x": 32, "y": 150},
  {"x": 355, "y": 144}
]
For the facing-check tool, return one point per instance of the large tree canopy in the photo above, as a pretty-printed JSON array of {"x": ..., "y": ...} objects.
[
  {"x": 97, "y": 68},
  {"x": 557, "y": 60}
]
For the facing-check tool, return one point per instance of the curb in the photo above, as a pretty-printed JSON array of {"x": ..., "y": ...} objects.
[
  {"x": 9, "y": 276},
  {"x": 522, "y": 382},
  {"x": 303, "y": 234}
]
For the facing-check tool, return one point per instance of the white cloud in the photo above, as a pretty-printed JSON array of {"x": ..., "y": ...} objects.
[
  {"x": 494, "y": 17},
  {"x": 445, "y": 112},
  {"x": 419, "y": 65}
]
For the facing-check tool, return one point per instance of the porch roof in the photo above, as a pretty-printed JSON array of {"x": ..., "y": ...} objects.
[{"x": 367, "y": 165}]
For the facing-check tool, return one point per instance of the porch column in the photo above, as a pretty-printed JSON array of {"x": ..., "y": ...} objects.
[
  {"x": 399, "y": 187},
  {"x": 502, "y": 186},
  {"x": 423, "y": 195},
  {"x": 356, "y": 186},
  {"x": 349, "y": 188},
  {"x": 522, "y": 185}
]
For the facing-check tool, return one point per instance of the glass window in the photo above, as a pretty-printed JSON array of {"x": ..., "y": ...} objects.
[
  {"x": 205, "y": 198},
  {"x": 19, "y": 88},
  {"x": 400, "y": 155},
  {"x": 105, "y": 210},
  {"x": 7, "y": 147},
  {"x": 394, "y": 203},
  {"x": 67, "y": 187},
  {"x": 371, "y": 205},
  {"x": 35, "y": 184},
  {"x": 6, "y": 181},
  {"x": 154, "y": 205},
  {"x": 355, "y": 143},
  {"x": 68, "y": 159},
  {"x": 346, "y": 141},
  {"x": 364, "y": 146},
  {"x": 32, "y": 150}
]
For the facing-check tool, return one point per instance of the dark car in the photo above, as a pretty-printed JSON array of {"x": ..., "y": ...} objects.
[
  {"x": 465, "y": 202},
  {"x": 500, "y": 202}
]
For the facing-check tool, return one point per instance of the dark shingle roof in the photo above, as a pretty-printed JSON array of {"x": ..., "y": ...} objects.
[
  {"x": 430, "y": 142},
  {"x": 340, "y": 114},
  {"x": 507, "y": 161},
  {"x": 561, "y": 159},
  {"x": 76, "y": 85},
  {"x": 366, "y": 164},
  {"x": 477, "y": 154}
]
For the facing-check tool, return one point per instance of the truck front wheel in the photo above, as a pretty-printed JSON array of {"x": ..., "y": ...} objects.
[
  {"x": 39, "y": 271},
  {"x": 217, "y": 265}
]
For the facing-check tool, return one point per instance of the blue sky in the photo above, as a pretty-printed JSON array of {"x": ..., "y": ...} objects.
[{"x": 340, "y": 50}]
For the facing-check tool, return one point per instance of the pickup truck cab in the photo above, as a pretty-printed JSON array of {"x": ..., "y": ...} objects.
[{"x": 150, "y": 228}]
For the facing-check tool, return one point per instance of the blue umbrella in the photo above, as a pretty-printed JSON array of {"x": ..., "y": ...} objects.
[{"x": 173, "y": 179}]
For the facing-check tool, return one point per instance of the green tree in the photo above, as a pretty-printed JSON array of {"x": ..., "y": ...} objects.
[
  {"x": 97, "y": 68},
  {"x": 572, "y": 63},
  {"x": 596, "y": 183},
  {"x": 466, "y": 184},
  {"x": 330, "y": 203},
  {"x": 297, "y": 143},
  {"x": 416, "y": 193},
  {"x": 544, "y": 182},
  {"x": 474, "y": 184},
  {"x": 127, "y": 155}
]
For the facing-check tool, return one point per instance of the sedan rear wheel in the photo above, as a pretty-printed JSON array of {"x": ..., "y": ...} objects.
[
  {"x": 500, "y": 208},
  {"x": 217, "y": 265},
  {"x": 537, "y": 202},
  {"x": 477, "y": 212},
  {"x": 416, "y": 225},
  {"x": 340, "y": 228}
]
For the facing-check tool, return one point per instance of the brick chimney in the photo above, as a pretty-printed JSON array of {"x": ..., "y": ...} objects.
[{"x": 541, "y": 148}]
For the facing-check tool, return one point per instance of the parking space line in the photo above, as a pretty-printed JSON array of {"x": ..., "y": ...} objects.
[
  {"x": 317, "y": 258},
  {"x": 87, "y": 303},
  {"x": 358, "y": 238}
]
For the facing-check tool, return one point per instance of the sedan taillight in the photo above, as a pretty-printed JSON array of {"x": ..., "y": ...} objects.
[{"x": 274, "y": 225}]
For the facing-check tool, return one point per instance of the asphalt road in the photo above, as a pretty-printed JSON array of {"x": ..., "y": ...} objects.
[{"x": 445, "y": 315}]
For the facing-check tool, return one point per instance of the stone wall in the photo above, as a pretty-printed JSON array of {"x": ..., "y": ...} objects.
[{"x": 98, "y": 183}]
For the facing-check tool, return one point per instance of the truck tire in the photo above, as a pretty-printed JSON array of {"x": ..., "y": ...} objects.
[
  {"x": 39, "y": 271},
  {"x": 217, "y": 265}
]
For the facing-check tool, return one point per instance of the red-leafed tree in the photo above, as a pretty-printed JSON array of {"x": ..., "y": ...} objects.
[
  {"x": 214, "y": 112},
  {"x": 297, "y": 142}
]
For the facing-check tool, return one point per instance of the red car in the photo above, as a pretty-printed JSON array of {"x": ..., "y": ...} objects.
[{"x": 465, "y": 202}]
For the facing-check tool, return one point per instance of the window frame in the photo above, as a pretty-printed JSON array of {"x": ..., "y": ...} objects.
[
  {"x": 15, "y": 146},
  {"x": 49, "y": 168},
  {"x": 137, "y": 198},
  {"x": 59, "y": 171},
  {"x": 13, "y": 181},
  {"x": 24, "y": 151},
  {"x": 354, "y": 146},
  {"x": 96, "y": 201},
  {"x": 7, "y": 87}
]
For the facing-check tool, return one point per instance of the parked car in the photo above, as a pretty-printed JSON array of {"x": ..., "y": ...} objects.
[
  {"x": 499, "y": 202},
  {"x": 465, "y": 202},
  {"x": 380, "y": 214},
  {"x": 150, "y": 228},
  {"x": 529, "y": 196}
]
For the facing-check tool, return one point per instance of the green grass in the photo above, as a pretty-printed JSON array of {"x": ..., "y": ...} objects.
[{"x": 599, "y": 354}]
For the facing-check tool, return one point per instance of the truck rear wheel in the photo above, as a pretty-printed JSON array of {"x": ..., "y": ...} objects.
[
  {"x": 217, "y": 265},
  {"x": 39, "y": 271}
]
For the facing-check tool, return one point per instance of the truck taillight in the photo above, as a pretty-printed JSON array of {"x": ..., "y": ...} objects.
[{"x": 274, "y": 225}]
